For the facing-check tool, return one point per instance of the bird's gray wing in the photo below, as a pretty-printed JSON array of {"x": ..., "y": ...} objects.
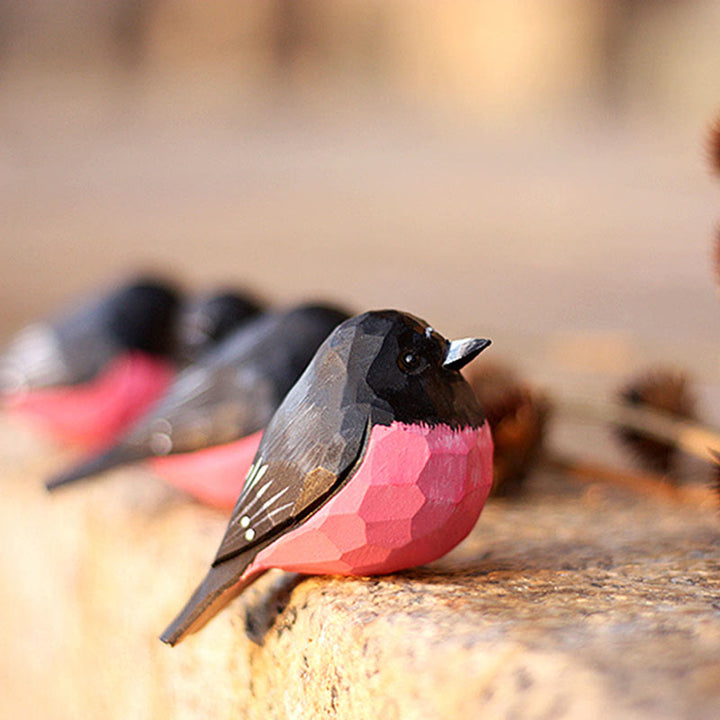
[
  {"x": 205, "y": 406},
  {"x": 309, "y": 450}
]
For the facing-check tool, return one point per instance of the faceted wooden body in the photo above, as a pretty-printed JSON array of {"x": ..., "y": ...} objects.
[
  {"x": 417, "y": 494},
  {"x": 378, "y": 459}
]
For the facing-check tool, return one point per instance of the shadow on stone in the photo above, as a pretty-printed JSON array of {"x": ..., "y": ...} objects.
[{"x": 266, "y": 611}]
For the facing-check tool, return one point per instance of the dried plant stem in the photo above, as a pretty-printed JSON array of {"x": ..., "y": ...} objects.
[
  {"x": 691, "y": 437},
  {"x": 642, "y": 483}
]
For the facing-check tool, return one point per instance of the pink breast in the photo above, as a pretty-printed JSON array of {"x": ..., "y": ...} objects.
[
  {"x": 214, "y": 475},
  {"x": 417, "y": 494},
  {"x": 93, "y": 414}
]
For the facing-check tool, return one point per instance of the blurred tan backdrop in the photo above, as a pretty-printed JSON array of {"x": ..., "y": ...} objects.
[{"x": 532, "y": 171}]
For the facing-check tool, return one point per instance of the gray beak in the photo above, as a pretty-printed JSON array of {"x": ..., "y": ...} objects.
[{"x": 461, "y": 352}]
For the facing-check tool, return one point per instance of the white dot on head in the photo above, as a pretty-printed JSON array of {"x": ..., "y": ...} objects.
[
  {"x": 244, "y": 521},
  {"x": 249, "y": 534}
]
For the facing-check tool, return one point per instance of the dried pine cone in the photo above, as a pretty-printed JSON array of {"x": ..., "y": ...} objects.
[
  {"x": 714, "y": 146},
  {"x": 518, "y": 417},
  {"x": 660, "y": 389}
]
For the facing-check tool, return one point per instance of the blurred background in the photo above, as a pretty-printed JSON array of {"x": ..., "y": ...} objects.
[{"x": 533, "y": 172}]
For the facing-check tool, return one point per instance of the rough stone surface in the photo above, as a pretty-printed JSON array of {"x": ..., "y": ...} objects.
[{"x": 577, "y": 602}]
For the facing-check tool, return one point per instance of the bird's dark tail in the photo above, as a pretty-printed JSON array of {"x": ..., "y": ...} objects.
[
  {"x": 95, "y": 464},
  {"x": 219, "y": 587}
]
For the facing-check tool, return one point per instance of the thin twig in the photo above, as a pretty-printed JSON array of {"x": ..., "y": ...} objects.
[
  {"x": 646, "y": 484},
  {"x": 693, "y": 438}
]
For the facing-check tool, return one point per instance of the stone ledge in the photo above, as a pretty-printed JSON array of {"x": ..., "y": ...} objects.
[{"x": 578, "y": 602}]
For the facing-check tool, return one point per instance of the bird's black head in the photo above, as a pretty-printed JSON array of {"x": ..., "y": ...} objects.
[
  {"x": 206, "y": 320},
  {"x": 141, "y": 316},
  {"x": 408, "y": 371}
]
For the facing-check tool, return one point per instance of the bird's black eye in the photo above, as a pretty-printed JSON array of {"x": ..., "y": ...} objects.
[{"x": 411, "y": 362}]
